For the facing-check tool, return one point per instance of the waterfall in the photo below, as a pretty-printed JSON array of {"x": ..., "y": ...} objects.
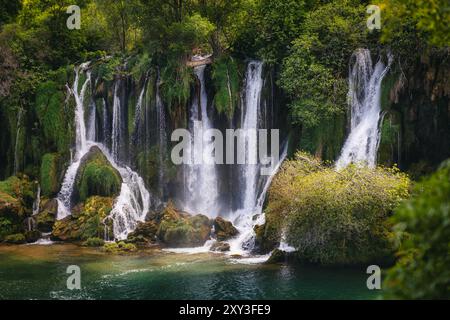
[
  {"x": 37, "y": 200},
  {"x": 250, "y": 213},
  {"x": 364, "y": 93},
  {"x": 106, "y": 126},
  {"x": 64, "y": 195},
  {"x": 162, "y": 138},
  {"x": 116, "y": 124},
  {"x": 201, "y": 179},
  {"x": 16, "y": 144},
  {"x": 133, "y": 202},
  {"x": 249, "y": 171}
]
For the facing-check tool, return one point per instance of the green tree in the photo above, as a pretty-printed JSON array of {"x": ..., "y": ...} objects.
[{"x": 423, "y": 224}]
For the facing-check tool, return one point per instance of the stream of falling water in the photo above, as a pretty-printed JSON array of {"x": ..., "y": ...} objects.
[{"x": 365, "y": 81}]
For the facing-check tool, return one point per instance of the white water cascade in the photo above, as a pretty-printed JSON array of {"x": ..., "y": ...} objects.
[
  {"x": 201, "y": 179},
  {"x": 250, "y": 214},
  {"x": 362, "y": 143},
  {"x": 162, "y": 137},
  {"x": 37, "y": 200},
  {"x": 65, "y": 194},
  {"x": 134, "y": 200}
]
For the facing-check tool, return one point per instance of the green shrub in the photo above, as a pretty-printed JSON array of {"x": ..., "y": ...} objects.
[
  {"x": 423, "y": 225},
  {"x": 226, "y": 81},
  {"x": 99, "y": 179},
  {"x": 94, "y": 242},
  {"x": 334, "y": 217}
]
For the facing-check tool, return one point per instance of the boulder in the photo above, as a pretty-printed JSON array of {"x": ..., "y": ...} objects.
[
  {"x": 32, "y": 236},
  {"x": 144, "y": 233},
  {"x": 96, "y": 177},
  {"x": 86, "y": 221},
  {"x": 224, "y": 229},
  {"x": 179, "y": 229},
  {"x": 46, "y": 217}
]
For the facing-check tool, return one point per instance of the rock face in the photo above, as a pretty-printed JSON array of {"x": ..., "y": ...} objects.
[
  {"x": 96, "y": 177},
  {"x": 224, "y": 230},
  {"x": 179, "y": 229},
  {"x": 46, "y": 217},
  {"x": 86, "y": 221}
]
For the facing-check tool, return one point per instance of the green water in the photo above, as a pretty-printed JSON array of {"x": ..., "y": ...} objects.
[{"x": 39, "y": 272}]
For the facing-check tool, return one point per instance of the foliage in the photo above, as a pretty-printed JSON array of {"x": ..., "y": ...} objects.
[
  {"x": 226, "y": 82},
  {"x": 422, "y": 223},
  {"x": 335, "y": 217},
  {"x": 416, "y": 20},
  {"x": 94, "y": 242}
]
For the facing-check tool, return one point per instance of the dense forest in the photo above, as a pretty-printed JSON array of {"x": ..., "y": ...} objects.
[{"x": 133, "y": 67}]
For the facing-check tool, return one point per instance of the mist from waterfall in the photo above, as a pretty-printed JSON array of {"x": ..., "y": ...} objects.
[{"x": 364, "y": 93}]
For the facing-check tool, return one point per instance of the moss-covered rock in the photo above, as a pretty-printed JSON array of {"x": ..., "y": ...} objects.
[
  {"x": 46, "y": 217},
  {"x": 17, "y": 238},
  {"x": 179, "y": 229},
  {"x": 144, "y": 233},
  {"x": 32, "y": 236},
  {"x": 224, "y": 230},
  {"x": 50, "y": 174},
  {"x": 86, "y": 221},
  {"x": 96, "y": 177},
  {"x": 120, "y": 247}
]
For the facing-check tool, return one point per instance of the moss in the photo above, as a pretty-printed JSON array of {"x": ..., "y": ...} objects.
[
  {"x": 46, "y": 217},
  {"x": 86, "y": 221},
  {"x": 226, "y": 82},
  {"x": 96, "y": 176},
  {"x": 119, "y": 247},
  {"x": 176, "y": 80},
  {"x": 51, "y": 115},
  {"x": 49, "y": 174},
  {"x": 17, "y": 238}
]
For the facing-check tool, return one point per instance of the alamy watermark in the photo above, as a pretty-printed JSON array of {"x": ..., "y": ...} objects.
[
  {"x": 374, "y": 20},
  {"x": 374, "y": 280},
  {"x": 242, "y": 146},
  {"x": 74, "y": 280},
  {"x": 74, "y": 20}
]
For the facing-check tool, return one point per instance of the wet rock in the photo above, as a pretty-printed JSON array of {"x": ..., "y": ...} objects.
[
  {"x": 46, "y": 217},
  {"x": 17, "y": 238},
  {"x": 32, "y": 236},
  {"x": 220, "y": 246},
  {"x": 224, "y": 230}
]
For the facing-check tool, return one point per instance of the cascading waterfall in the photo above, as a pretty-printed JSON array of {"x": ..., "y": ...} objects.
[
  {"x": 37, "y": 200},
  {"x": 201, "y": 179},
  {"x": 65, "y": 194},
  {"x": 250, "y": 214},
  {"x": 250, "y": 123},
  {"x": 162, "y": 138},
  {"x": 362, "y": 143},
  {"x": 116, "y": 123},
  {"x": 16, "y": 144},
  {"x": 134, "y": 200}
]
